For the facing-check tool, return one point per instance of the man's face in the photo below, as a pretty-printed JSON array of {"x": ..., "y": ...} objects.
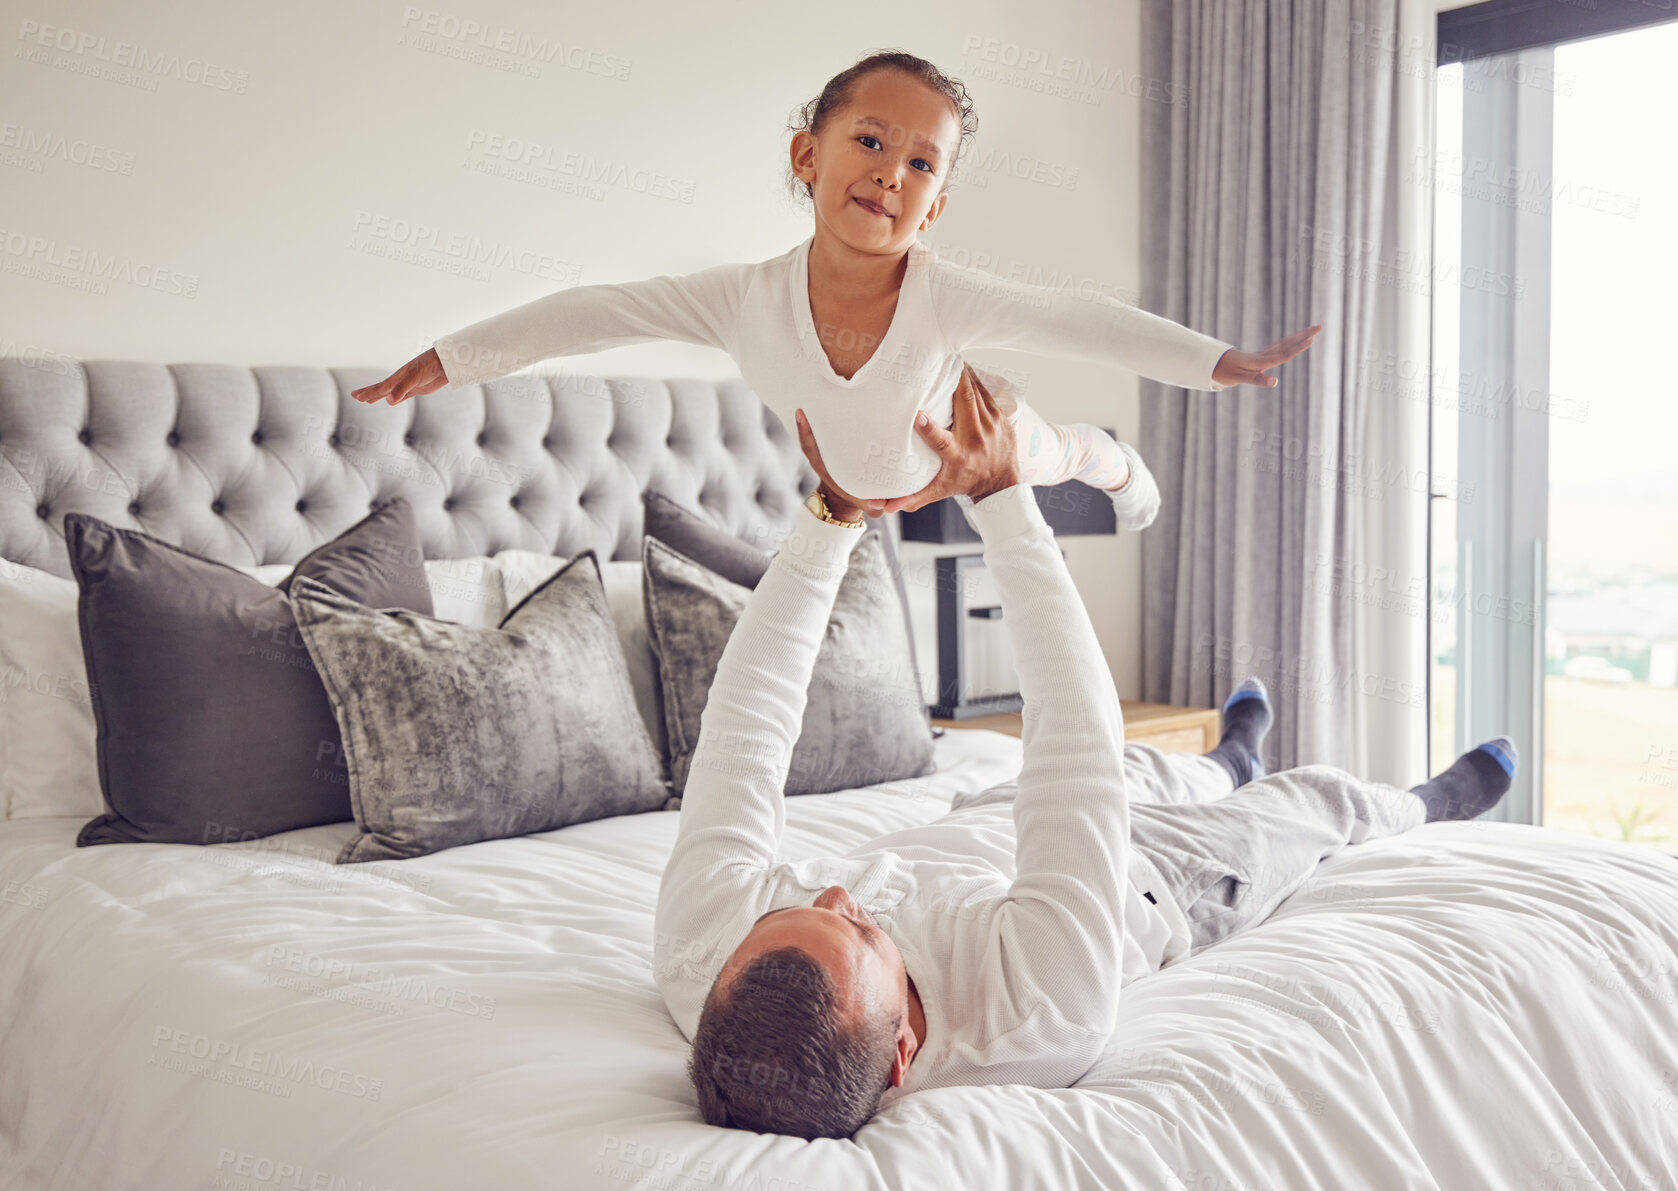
[
  {"x": 864, "y": 964},
  {"x": 890, "y": 148}
]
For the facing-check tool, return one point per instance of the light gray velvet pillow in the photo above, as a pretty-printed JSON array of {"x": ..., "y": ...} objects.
[
  {"x": 455, "y": 734},
  {"x": 863, "y": 718}
]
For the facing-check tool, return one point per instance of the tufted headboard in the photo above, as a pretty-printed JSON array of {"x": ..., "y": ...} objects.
[{"x": 261, "y": 465}]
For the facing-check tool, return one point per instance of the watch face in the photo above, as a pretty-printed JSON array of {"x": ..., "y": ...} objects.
[{"x": 817, "y": 504}]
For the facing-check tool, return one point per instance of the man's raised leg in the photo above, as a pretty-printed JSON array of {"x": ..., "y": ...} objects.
[
  {"x": 1186, "y": 777},
  {"x": 1246, "y": 720},
  {"x": 1172, "y": 779},
  {"x": 1169, "y": 779},
  {"x": 1231, "y": 862}
]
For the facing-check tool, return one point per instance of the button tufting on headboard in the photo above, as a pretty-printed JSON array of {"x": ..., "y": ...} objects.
[{"x": 551, "y": 463}]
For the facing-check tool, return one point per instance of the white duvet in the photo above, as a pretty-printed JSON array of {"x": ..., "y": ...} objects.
[{"x": 1467, "y": 1006}]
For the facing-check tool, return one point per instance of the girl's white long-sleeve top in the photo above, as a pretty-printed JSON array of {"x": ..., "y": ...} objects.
[
  {"x": 1018, "y": 922},
  {"x": 760, "y": 315}
]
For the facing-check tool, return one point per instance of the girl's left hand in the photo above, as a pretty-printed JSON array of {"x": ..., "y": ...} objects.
[{"x": 1248, "y": 368}]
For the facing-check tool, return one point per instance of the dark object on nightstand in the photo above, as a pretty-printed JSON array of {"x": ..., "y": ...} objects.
[{"x": 1070, "y": 508}]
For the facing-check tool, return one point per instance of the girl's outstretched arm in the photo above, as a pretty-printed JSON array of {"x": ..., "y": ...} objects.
[
  {"x": 701, "y": 307},
  {"x": 979, "y": 309}
]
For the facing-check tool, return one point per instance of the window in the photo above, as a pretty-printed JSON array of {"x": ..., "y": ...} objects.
[{"x": 1553, "y": 530}]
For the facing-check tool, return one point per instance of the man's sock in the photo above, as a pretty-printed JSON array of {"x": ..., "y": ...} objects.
[
  {"x": 1246, "y": 718},
  {"x": 1474, "y": 783}
]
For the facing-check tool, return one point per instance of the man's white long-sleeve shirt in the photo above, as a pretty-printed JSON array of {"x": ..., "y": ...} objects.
[
  {"x": 760, "y": 314},
  {"x": 1018, "y": 922}
]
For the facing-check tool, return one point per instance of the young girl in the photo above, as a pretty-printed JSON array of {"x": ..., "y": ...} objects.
[{"x": 860, "y": 325}]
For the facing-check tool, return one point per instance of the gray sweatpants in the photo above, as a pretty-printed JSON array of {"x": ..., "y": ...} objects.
[{"x": 1230, "y": 857}]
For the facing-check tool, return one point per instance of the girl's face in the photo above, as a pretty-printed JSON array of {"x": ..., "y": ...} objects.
[{"x": 877, "y": 169}]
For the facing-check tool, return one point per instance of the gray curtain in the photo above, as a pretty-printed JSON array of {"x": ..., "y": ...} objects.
[{"x": 1278, "y": 142}]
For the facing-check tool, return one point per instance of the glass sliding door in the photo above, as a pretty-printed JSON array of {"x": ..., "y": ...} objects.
[{"x": 1553, "y": 533}]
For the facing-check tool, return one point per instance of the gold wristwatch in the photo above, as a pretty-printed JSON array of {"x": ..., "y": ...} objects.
[{"x": 817, "y": 504}]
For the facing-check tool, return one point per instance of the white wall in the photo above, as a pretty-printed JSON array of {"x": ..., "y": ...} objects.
[{"x": 266, "y": 171}]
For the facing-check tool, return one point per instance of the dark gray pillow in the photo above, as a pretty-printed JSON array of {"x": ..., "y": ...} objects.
[
  {"x": 863, "y": 717},
  {"x": 741, "y": 562},
  {"x": 457, "y": 734},
  {"x": 212, "y": 724},
  {"x": 688, "y": 533}
]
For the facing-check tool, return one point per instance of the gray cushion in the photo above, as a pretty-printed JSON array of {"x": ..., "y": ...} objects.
[
  {"x": 863, "y": 718},
  {"x": 686, "y": 532},
  {"x": 456, "y": 734},
  {"x": 739, "y": 561},
  {"x": 212, "y": 723}
]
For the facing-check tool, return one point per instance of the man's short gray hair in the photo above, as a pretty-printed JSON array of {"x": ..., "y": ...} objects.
[{"x": 774, "y": 1052}]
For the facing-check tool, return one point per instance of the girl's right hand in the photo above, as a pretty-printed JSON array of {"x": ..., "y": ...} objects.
[{"x": 421, "y": 375}]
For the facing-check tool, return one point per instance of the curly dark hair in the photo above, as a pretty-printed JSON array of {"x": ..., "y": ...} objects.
[
  {"x": 773, "y": 1054},
  {"x": 813, "y": 116}
]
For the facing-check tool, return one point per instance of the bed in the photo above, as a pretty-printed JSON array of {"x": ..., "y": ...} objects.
[{"x": 1471, "y": 1005}]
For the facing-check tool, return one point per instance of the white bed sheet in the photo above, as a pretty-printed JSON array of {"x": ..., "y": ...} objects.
[{"x": 1466, "y": 1006}]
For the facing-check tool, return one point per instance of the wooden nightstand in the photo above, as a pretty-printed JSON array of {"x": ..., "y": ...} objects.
[{"x": 1169, "y": 729}]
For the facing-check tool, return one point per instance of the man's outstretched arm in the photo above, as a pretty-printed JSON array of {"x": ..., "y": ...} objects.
[
  {"x": 1056, "y": 945},
  {"x": 734, "y": 803}
]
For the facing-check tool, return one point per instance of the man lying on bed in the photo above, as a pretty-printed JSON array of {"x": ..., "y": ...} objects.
[{"x": 991, "y": 945}]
